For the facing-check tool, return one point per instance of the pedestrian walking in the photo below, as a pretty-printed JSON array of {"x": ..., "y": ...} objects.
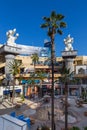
[
  {"x": 38, "y": 128},
  {"x": 48, "y": 115},
  {"x": 11, "y": 95}
]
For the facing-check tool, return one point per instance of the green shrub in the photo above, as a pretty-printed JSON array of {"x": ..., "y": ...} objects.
[
  {"x": 43, "y": 127},
  {"x": 75, "y": 128},
  {"x": 22, "y": 97},
  {"x": 85, "y": 128}
]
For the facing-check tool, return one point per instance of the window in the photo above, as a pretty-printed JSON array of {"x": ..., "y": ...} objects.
[
  {"x": 79, "y": 62},
  {"x": 2, "y": 70},
  {"x": 81, "y": 71}
]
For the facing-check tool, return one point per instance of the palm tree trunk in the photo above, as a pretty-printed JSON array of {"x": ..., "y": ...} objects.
[
  {"x": 66, "y": 106},
  {"x": 40, "y": 89},
  {"x": 13, "y": 94},
  {"x": 34, "y": 67},
  {"x": 52, "y": 62}
]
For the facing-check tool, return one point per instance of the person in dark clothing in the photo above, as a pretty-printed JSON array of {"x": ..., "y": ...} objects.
[
  {"x": 38, "y": 128},
  {"x": 48, "y": 115},
  {"x": 11, "y": 94},
  {"x": 54, "y": 126}
]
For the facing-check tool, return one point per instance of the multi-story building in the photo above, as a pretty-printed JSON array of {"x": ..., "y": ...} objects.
[
  {"x": 23, "y": 54},
  {"x": 80, "y": 67}
]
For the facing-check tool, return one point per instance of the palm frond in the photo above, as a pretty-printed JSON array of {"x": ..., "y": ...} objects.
[
  {"x": 49, "y": 33},
  {"x": 59, "y": 17},
  {"x": 65, "y": 75},
  {"x": 53, "y": 23},
  {"x": 35, "y": 58},
  {"x": 53, "y": 14},
  {"x": 14, "y": 67},
  {"x": 59, "y": 32},
  {"x": 62, "y": 25},
  {"x": 44, "y": 25},
  {"x": 46, "y": 19}
]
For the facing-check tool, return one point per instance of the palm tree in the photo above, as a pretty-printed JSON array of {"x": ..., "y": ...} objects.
[
  {"x": 66, "y": 75},
  {"x": 54, "y": 24},
  {"x": 14, "y": 69},
  {"x": 35, "y": 59}
]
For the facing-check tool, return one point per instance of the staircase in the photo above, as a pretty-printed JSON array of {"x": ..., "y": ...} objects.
[{"x": 6, "y": 104}]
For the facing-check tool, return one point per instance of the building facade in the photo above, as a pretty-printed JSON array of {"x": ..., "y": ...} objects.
[
  {"x": 80, "y": 67},
  {"x": 10, "y": 51}
]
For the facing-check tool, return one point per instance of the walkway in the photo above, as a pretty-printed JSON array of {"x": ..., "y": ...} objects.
[
  {"x": 77, "y": 111},
  {"x": 34, "y": 110}
]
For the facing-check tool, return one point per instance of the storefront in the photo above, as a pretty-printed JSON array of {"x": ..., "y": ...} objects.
[
  {"x": 8, "y": 92},
  {"x": 30, "y": 87}
]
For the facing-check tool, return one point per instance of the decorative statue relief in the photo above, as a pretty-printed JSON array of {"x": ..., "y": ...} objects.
[
  {"x": 68, "y": 43},
  {"x": 11, "y": 37}
]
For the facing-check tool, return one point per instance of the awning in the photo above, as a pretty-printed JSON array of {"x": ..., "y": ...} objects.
[
  {"x": 18, "y": 90},
  {"x": 24, "y": 81},
  {"x": 37, "y": 81},
  {"x": 5, "y": 92},
  {"x": 33, "y": 81}
]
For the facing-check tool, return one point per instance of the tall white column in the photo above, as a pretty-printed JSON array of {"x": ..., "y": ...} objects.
[
  {"x": 9, "y": 58},
  {"x": 69, "y": 64}
]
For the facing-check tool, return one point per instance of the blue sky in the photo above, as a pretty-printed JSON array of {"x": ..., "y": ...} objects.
[{"x": 26, "y": 17}]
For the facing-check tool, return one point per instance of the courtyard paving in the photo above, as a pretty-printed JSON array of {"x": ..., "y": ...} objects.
[{"x": 39, "y": 112}]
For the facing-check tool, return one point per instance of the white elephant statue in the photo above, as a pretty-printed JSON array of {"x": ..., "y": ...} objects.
[{"x": 68, "y": 43}]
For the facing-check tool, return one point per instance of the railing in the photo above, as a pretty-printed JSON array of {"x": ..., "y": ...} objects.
[
  {"x": 80, "y": 75},
  {"x": 69, "y": 53}
]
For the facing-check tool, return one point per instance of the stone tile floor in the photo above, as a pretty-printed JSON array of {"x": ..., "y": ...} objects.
[{"x": 6, "y": 108}]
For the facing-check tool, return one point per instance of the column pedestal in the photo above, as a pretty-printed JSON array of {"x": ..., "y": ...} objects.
[{"x": 68, "y": 57}]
